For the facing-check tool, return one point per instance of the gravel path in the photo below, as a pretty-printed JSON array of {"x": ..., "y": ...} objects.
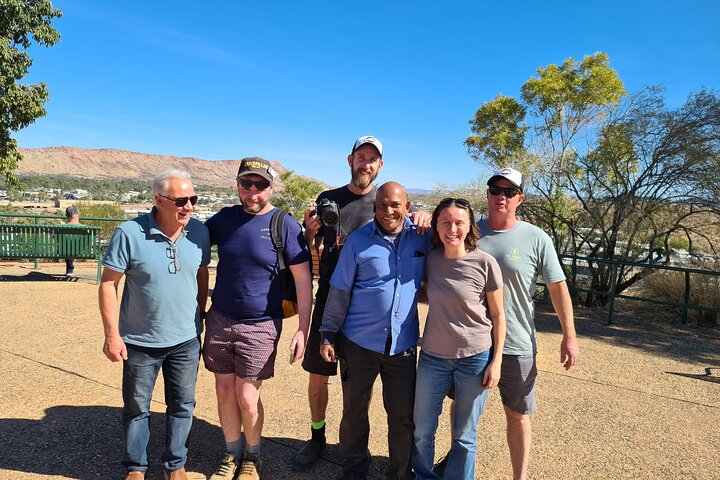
[{"x": 639, "y": 404}]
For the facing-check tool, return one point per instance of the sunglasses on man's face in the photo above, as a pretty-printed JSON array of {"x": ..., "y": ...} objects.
[
  {"x": 182, "y": 201},
  {"x": 247, "y": 184},
  {"x": 508, "y": 192}
]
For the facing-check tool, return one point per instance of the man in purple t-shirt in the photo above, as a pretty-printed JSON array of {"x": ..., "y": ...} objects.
[{"x": 245, "y": 320}]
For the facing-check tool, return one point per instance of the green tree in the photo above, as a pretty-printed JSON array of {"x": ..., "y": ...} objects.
[
  {"x": 296, "y": 193},
  {"x": 101, "y": 210},
  {"x": 21, "y": 104},
  {"x": 609, "y": 175}
]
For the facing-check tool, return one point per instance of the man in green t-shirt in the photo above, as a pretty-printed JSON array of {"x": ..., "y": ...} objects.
[{"x": 523, "y": 250}]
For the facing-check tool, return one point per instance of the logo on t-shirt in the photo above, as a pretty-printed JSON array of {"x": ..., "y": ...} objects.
[
  {"x": 265, "y": 233},
  {"x": 514, "y": 254}
]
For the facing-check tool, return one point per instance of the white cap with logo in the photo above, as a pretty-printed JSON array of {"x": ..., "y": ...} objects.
[
  {"x": 509, "y": 174},
  {"x": 368, "y": 139}
]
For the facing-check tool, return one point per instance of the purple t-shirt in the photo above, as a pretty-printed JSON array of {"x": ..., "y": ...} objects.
[
  {"x": 458, "y": 324},
  {"x": 247, "y": 287}
]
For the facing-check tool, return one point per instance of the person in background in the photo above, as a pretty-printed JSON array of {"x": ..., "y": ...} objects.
[{"x": 72, "y": 214}]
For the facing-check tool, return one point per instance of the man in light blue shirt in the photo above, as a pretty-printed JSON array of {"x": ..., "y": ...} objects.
[
  {"x": 371, "y": 326},
  {"x": 163, "y": 256}
]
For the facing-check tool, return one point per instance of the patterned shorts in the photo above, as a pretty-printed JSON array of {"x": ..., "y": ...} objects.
[{"x": 247, "y": 349}]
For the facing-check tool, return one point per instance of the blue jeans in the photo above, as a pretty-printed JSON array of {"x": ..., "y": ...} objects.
[
  {"x": 140, "y": 371},
  {"x": 433, "y": 380}
]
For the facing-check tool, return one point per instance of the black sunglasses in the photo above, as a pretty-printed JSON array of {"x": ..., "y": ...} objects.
[
  {"x": 181, "y": 201},
  {"x": 247, "y": 184},
  {"x": 172, "y": 254},
  {"x": 508, "y": 192},
  {"x": 460, "y": 202}
]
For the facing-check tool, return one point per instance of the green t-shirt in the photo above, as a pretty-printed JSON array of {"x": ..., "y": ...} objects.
[{"x": 522, "y": 252}]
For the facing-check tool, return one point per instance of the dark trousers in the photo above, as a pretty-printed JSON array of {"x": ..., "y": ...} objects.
[
  {"x": 359, "y": 368},
  {"x": 69, "y": 265}
]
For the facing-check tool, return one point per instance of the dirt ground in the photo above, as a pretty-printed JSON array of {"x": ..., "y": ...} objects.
[{"x": 640, "y": 404}]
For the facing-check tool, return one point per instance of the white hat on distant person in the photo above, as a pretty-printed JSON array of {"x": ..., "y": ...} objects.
[
  {"x": 368, "y": 139},
  {"x": 509, "y": 174}
]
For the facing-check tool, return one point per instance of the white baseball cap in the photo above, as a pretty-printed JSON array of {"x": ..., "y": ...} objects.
[
  {"x": 368, "y": 139},
  {"x": 509, "y": 174}
]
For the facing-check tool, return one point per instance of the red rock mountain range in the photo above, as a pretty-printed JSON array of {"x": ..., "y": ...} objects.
[{"x": 109, "y": 163}]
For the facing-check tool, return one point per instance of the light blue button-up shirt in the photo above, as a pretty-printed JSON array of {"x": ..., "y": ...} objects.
[{"x": 383, "y": 282}]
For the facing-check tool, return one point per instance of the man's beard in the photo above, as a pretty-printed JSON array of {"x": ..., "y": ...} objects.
[
  {"x": 254, "y": 207},
  {"x": 362, "y": 181}
]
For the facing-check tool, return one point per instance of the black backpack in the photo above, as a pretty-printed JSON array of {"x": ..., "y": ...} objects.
[{"x": 277, "y": 234}]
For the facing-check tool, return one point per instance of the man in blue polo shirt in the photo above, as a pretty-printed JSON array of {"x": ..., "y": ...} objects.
[
  {"x": 163, "y": 256},
  {"x": 371, "y": 326}
]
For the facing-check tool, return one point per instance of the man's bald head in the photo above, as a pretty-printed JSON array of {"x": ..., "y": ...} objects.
[
  {"x": 389, "y": 187},
  {"x": 391, "y": 206}
]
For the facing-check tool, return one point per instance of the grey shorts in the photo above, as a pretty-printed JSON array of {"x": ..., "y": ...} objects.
[
  {"x": 517, "y": 383},
  {"x": 247, "y": 349}
]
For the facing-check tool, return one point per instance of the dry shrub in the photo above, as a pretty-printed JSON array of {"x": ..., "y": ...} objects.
[{"x": 704, "y": 291}]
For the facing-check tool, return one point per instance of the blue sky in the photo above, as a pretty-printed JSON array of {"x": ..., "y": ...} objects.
[{"x": 297, "y": 82}]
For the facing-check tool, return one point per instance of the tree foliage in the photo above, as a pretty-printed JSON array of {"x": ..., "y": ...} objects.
[
  {"x": 101, "y": 210},
  {"x": 296, "y": 193},
  {"x": 610, "y": 175},
  {"x": 21, "y": 22}
]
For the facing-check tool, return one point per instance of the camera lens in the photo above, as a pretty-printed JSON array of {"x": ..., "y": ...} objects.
[{"x": 329, "y": 217}]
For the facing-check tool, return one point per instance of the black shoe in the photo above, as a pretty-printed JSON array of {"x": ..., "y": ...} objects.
[{"x": 308, "y": 455}]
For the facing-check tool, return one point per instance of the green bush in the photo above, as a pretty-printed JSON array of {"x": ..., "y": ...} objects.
[
  {"x": 104, "y": 210},
  {"x": 679, "y": 243}
]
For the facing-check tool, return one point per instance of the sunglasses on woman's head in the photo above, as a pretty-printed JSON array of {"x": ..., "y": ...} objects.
[
  {"x": 247, "y": 184},
  {"x": 181, "y": 201},
  {"x": 508, "y": 192},
  {"x": 460, "y": 202}
]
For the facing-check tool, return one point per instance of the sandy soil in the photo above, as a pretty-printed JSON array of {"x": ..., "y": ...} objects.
[{"x": 640, "y": 404}]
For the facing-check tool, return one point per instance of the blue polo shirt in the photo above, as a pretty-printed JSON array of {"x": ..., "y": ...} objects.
[
  {"x": 384, "y": 281},
  {"x": 158, "y": 308}
]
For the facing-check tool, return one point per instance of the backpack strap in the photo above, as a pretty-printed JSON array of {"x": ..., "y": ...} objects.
[{"x": 277, "y": 234}]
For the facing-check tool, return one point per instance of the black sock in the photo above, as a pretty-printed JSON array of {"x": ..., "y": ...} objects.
[{"x": 318, "y": 434}]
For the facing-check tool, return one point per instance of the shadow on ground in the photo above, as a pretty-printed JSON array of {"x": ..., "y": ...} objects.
[
  {"x": 86, "y": 443},
  {"x": 82, "y": 442},
  {"x": 35, "y": 276}
]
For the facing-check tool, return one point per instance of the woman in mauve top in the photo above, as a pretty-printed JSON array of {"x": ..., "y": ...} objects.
[{"x": 462, "y": 342}]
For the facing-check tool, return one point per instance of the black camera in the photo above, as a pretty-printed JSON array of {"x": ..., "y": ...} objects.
[{"x": 329, "y": 213}]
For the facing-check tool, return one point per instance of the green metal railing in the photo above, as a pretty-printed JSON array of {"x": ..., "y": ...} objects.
[
  {"x": 686, "y": 306},
  {"x": 57, "y": 220}
]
